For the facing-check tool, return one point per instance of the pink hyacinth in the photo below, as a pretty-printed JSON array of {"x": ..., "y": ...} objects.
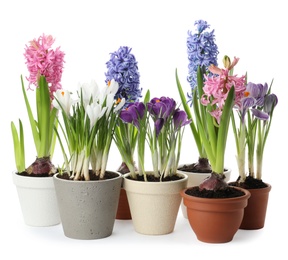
[
  {"x": 216, "y": 88},
  {"x": 41, "y": 60}
]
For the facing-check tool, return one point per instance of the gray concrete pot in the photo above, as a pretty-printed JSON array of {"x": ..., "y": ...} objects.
[{"x": 88, "y": 208}]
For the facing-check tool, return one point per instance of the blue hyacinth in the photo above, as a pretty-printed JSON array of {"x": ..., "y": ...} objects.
[
  {"x": 123, "y": 68},
  {"x": 202, "y": 51}
]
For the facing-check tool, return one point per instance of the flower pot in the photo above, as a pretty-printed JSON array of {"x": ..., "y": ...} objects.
[
  {"x": 255, "y": 212},
  {"x": 215, "y": 220},
  {"x": 88, "y": 208},
  {"x": 154, "y": 206},
  {"x": 37, "y": 199},
  {"x": 123, "y": 211},
  {"x": 194, "y": 179}
]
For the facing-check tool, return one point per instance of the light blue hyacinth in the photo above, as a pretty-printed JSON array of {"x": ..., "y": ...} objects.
[
  {"x": 123, "y": 68},
  {"x": 202, "y": 51}
]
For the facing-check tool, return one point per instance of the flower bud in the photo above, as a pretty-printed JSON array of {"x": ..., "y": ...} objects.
[{"x": 226, "y": 62}]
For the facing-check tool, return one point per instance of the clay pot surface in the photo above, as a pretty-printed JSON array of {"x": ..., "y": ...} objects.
[
  {"x": 123, "y": 211},
  {"x": 195, "y": 178},
  {"x": 215, "y": 220},
  {"x": 255, "y": 212}
]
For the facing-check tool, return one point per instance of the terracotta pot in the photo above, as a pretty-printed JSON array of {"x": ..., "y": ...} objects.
[
  {"x": 195, "y": 178},
  {"x": 37, "y": 199},
  {"x": 123, "y": 211},
  {"x": 215, "y": 220},
  {"x": 154, "y": 205},
  {"x": 88, "y": 208},
  {"x": 255, "y": 212}
]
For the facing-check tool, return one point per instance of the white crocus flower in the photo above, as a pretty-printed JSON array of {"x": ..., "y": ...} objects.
[
  {"x": 90, "y": 92},
  {"x": 120, "y": 105},
  {"x": 109, "y": 103},
  {"x": 94, "y": 111},
  {"x": 113, "y": 87},
  {"x": 63, "y": 99}
]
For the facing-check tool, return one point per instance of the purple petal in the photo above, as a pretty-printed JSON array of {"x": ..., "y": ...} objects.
[
  {"x": 248, "y": 102},
  {"x": 126, "y": 116},
  {"x": 270, "y": 102},
  {"x": 140, "y": 108},
  {"x": 259, "y": 114},
  {"x": 180, "y": 119},
  {"x": 158, "y": 125}
]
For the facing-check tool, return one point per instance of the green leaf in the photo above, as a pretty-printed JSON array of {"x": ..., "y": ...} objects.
[
  {"x": 33, "y": 124},
  {"x": 19, "y": 151},
  {"x": 193, "y": 128},
  {"x": 223, "y": 130},
  {"x": 147, "y": 97},
  {"x": 43, "y": 111}
]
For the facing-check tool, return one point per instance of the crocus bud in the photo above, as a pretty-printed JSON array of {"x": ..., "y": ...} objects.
[{"x": 270, "y": 102}]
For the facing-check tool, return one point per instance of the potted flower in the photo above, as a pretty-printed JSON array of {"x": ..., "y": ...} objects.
[
  {"x": 45, "y": 66},
  {"x": 255, "y": 114},
  {"x": 202, "y": 52},
  {"x": 84, "y": 187},
  {"x": 123, "y": 68},
  {"x": 154, "y": 195},
  {"x": 221, "y": 92}
]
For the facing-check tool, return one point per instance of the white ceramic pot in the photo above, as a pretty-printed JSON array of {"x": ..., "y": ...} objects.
[
  {"x": 154, "y": 206},
  {"x": 37, "y": 199},
  {"x": 195, "y": 178}
]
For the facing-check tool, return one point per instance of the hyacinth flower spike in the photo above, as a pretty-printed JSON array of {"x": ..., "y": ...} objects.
[
  {"x": 202, "y": 52},
  {"x": 45, "y": 66},
  {"x": 221, "y": 93}
]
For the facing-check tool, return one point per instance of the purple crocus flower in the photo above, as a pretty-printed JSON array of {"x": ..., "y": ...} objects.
[
  {"x": 270, "y": 102},
  {"x": 257, "y": 91},
  {"x": 202, "y": 51},
  {"x": 133, "y": 113},
  {"x": 123, "y": 68},
  {"x": 180, "y": 119},
  {"x": 163, "y": 107},
  {"x": 254, "y": 97},
  {"x": 161, "y": 110}
]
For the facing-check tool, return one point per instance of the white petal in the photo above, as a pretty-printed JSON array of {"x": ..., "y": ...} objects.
[{"x": 120, "y": 105}]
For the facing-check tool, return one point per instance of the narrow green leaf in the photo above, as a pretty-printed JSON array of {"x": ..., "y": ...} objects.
[
  {"x": 44, "y": 116},
  {"x": 223, "y": 130},
  {"x": 193, "y": 128},
  {"x": 33, "y": 124},
  {"x": 19, "y": 149}
]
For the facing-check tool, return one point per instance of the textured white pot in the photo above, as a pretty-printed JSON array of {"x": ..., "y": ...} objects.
[
  {"x": 37, "y": 199},
  {"x": 194, "y": 179},
  {"x": 154, "y": 206},
  {"x": 88, "y": 208}
]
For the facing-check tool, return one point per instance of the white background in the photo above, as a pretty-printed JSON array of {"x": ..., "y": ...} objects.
[{"x": 87, "y": 32}]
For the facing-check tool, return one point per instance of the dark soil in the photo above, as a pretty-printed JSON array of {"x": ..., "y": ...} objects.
[
  {"x": 249, "y": 183},
  {"x": 93, "y": 176},
  {"x": 228, "y": 192},
  {"x": 152, "y": 178}
]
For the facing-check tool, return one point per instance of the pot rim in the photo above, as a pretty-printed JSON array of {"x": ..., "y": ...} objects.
[
  {"x": 198, "y": 199},
  {"x": 150, "y": 172},
  {"x": 55, "y": 176}
]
